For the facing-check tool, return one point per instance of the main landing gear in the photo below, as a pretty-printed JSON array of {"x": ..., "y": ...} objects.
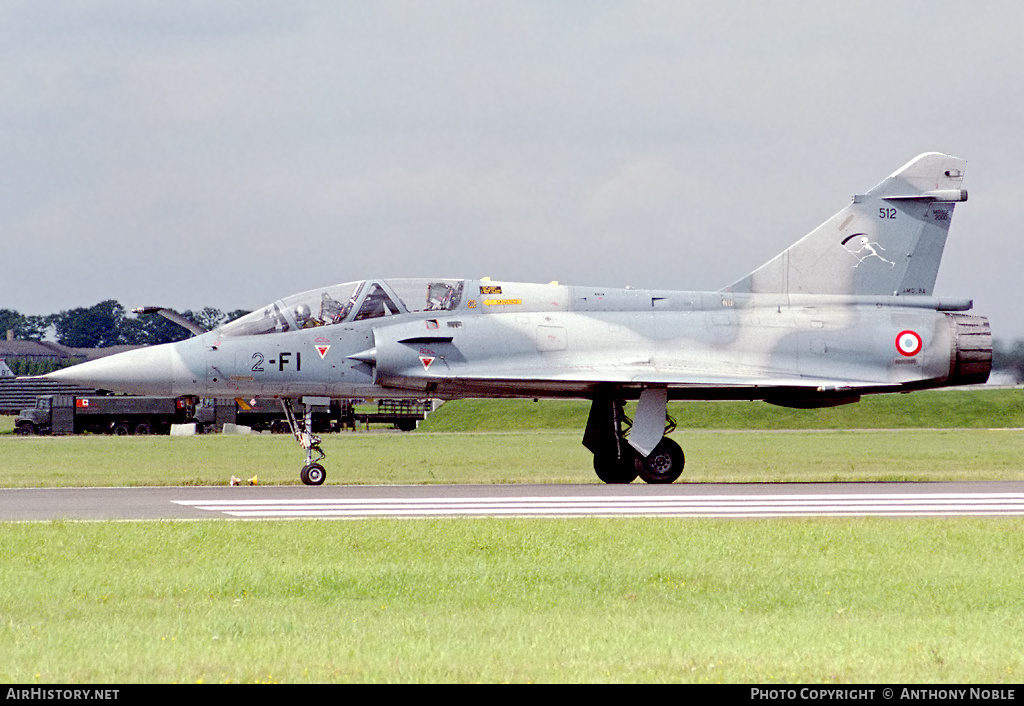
[
  {"x": 618, "y": 460},
  {"x": 312, "y": 473}
]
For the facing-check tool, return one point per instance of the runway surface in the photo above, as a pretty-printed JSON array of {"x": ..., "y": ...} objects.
[{"x": 740, "y": 500}]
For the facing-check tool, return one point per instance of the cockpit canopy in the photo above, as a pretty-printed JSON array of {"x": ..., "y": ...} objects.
[{"x": 352, "y": 301}]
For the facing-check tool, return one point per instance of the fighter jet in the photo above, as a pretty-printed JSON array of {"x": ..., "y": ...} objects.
[{"x": 846, "y": 311}]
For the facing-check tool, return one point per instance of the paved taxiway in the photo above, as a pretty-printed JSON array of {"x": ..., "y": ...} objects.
[{"x": 986, "y": 498}]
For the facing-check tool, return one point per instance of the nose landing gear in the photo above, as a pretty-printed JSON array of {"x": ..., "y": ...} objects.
[{"x": 312, "y": 473}]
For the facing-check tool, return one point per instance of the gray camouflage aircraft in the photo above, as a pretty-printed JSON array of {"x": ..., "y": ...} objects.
[{"x": 846, "y": 311}]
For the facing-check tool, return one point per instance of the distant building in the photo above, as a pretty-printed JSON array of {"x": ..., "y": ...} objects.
[
  {"x": 17, "y": 393},
  {"x": 39, "y": 351}
]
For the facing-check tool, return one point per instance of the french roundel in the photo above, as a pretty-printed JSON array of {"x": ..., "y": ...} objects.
[{"x": 908, "y": 343}]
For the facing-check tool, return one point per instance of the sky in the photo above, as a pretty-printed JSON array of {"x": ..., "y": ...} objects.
[{"x": 191, "y": 153}]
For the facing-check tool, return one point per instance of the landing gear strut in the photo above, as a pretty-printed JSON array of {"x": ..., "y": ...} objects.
[
  {"x": 616, "y": 460},
  {"x": 312, "y": 473}
]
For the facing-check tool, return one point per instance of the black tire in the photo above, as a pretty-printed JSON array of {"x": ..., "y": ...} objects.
[
  {"x": 122, "y": 429},
  {"x": 664, "y": 465},
  {"x": 27, "y": 429},
  {"x": 406, "y": 425},
  {"x": 143, "y": 429},
  {"x": 612, "y": 470},
  {"x": 313, "y": 474},
  {"x": 280, "y": 427}
]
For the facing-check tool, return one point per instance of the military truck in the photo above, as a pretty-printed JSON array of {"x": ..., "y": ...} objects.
[
  {"x": 402, "y": 414},
  {"x": 263, "y": 414},
  {"x": 127, "y": 414},
  {"x": 104, "y": 414},
  {"x": 266, "y": 414}
]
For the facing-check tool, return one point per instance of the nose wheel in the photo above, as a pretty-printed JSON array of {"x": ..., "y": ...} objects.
[{"x": 312, "y": 473}]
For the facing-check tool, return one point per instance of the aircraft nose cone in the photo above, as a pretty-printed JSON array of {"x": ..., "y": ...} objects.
[{"x": 146, "y": 371}]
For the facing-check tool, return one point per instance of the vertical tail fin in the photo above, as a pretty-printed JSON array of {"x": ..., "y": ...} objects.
[{"x": 889, "y": 241}]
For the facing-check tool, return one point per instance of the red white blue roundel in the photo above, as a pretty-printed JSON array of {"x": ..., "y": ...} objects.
[{"x": 908, "y": 343}]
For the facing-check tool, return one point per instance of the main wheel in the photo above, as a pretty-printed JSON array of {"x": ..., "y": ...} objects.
[
  {"x": 27, "y": 429},
  {"x": 613, "y": 470},
  {"x": 143, "y": 428},
  {"x": 313, "y": 474},
  {"x": 664, "y": 465}
]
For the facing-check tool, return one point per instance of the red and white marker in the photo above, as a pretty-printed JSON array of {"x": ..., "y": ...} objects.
[{"x": 908, "y": 343}]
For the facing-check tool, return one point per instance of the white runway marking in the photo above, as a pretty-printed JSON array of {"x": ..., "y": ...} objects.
[{"x": 842, "y": 505}]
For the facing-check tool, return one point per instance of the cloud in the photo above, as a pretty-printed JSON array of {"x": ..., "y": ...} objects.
[
  {"x": 650, "y": 143},
  {"x": 644, "y": 188}
]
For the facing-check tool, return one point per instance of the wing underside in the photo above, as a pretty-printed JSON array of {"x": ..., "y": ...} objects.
[{"x": 629, "y": 383}]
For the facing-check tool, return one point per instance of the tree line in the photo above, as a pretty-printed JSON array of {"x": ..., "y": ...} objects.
[
  {"x": 1009, "y": 357},
  {"x": 109, "y": 324}
]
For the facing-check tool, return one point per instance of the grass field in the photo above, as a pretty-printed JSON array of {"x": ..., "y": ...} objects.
[
  {"x": 967, "y": 434},
  {"x": 489, "y": 457},
  {"x": 945, "y": 409},
  {"x": 602, "y": 600},
  {"x": 588, "y": 600}
]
